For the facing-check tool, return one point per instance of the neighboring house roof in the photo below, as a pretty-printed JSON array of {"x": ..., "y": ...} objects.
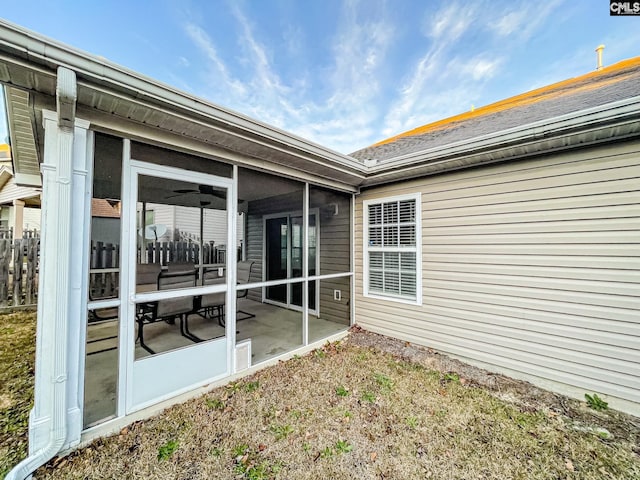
[
  {"x": 5, "y": 152},
  {"x": 104, "y": 208},
  {"x": 616, "y": 82},
  {"x": 9, "y": 189}
]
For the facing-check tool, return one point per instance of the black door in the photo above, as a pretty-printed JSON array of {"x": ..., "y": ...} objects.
[{"x": 276, "y": 249}]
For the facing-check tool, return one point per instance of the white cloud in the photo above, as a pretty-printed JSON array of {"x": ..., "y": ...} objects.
[
  {"x": 509, "y": 23},
  {"x": 481, "y": 68},
  {"x": 438, "y": 90},
  {"x": 293, "y": 39},
  {"x": 342, "y": 116},
  {"x": 524, "y": 18},
  {"x": 452, "y": 74},
  {"x": 450, "y": 22},
  {"x": 204, "y": 43},
  {"x": 399, "y": 116},
  {"x": 342, "y": 102}
]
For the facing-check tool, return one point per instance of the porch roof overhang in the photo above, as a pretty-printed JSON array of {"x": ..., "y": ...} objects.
[{"x": 108, "y": 93}]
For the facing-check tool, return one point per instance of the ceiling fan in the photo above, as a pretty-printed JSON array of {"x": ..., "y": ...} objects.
[{"x": 202, "y": 190}]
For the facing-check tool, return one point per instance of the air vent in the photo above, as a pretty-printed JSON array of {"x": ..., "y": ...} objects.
[{"x": 243, "y": 355}]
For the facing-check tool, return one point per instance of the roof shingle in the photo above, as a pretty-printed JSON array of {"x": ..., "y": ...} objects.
[{"x": 616, "y": 82}]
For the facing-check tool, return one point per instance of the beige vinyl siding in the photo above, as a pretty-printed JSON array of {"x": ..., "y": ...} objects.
[
  {"x": 11, "y": 192},
  {"x": 531, "y": 267},
  {"x": 337, "y": 311},
  {"x": 335, "y": 231},
  {"x": 335, "y": 253}
]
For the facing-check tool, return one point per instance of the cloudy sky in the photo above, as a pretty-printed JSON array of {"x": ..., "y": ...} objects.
[{"x": 342, "y": 73}]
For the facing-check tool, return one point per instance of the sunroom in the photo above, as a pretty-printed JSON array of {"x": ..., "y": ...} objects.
[
  {"x": 183, "y": 244},
  {"x": 190, "y": 238}
]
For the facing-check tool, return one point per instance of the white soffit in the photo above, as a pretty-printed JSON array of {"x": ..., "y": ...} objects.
[{"x": 24, "y": 151}]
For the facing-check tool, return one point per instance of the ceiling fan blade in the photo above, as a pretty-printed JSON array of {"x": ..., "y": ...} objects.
[{"x": 186, "y": 190}]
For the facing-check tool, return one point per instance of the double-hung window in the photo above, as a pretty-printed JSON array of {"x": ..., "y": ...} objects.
[{"x": 392, "y": 248}]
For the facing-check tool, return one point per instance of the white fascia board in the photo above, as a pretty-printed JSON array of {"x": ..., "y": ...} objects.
[
  {"x": 28, "y": 180},
  {"x": 5, "y": 175}
]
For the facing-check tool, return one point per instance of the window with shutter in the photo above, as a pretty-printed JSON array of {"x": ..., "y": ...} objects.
[{"x": 392, "y": 248}]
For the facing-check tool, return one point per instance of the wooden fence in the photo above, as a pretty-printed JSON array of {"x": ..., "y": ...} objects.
[
  {"x": 19, "y": 286},
  {"x": 105, "y": 269},
  {"x": 7, "y": 233},
  {"x": 19, "y": 271}
]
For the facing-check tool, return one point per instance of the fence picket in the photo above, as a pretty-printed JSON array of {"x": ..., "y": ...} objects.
[
  {"x": 5, "y": 257},
  {"x": 32, "y": 259},
  {"x": 18, "y": 254}
]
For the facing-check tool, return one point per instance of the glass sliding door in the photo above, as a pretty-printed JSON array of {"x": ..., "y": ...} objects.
[
  {"x": 284, "y": 246},
  {"x": 276, "y": 255}
]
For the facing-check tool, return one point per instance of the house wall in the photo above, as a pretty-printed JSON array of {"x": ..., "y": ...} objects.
[
  {"x": 106, "y": 230},
  {"x": 11, "y": 192},
  {"x": 335, "y": 252},
  {"x": 187, "y": 219},
  {"x": 334, "y": 242},
  {"x": 531, "y": 268},
  {"x": 30, "y": 217}
]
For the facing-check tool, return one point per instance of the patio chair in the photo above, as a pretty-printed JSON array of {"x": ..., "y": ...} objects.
[
  {"x": 177, "y": 307},
  {"x": 147, "y": 275},
  {"x": 168, "y": 308},
  {"x": 177, "y": 267},
  {"x": 212, "y": 304},
  {"x": 243, "y": 277}
]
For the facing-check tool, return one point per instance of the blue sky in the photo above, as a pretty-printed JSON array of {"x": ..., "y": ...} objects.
[{"x": 342, "y": 73}]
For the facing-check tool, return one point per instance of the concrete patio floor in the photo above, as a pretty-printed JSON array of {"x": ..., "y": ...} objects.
[{"x": 273, "y": 331}]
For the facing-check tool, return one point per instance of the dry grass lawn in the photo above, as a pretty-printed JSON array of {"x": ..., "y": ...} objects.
[
  {"x": 370, "y": 408},
  {"x": 352, "y": 411},
  {"x": 17, "y": 354}
]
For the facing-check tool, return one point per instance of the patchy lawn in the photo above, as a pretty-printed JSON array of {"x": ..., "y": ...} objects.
[
  {"x": 350, "y": 410},
  {"x": 370, "y": 407},
  {"x": 17, "y": 353}
]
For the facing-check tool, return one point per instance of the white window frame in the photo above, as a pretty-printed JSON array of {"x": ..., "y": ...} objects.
[{"x": 367, "y": 249}]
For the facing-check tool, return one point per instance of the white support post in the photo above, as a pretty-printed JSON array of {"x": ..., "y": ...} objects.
[
  {"x": 55, "y": 421},
  {"x": 63, "y": 275},
  {"x": 232, "y": 268},
  {"x": 18, "y": 218},
  {"x": 78, "y": 276},
  {"x": 305, "y": 267}
]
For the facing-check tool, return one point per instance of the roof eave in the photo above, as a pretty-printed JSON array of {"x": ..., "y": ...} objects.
[{"x": 612, "y": 121}]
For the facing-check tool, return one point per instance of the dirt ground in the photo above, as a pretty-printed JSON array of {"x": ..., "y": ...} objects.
[
  {"x": 525, "y": 395},
  {"x": 368, "y": 407}
]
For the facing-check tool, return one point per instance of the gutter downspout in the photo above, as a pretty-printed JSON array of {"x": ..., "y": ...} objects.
[{"x": 66, "y": 95}]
